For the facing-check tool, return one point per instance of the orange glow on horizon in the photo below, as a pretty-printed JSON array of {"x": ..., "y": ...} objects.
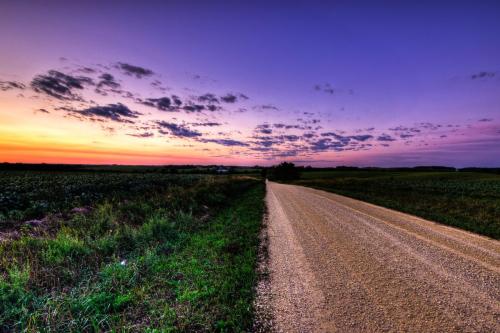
[{"x": 48, "y": 138}]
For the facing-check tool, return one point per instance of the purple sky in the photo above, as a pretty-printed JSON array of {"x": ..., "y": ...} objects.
[{"x": 325, "y": 83}]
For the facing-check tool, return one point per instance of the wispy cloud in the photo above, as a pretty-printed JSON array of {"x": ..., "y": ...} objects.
[
  {"x": 177, "y": 130},
  {"x": 59, "y": 85},
  {"x": 163, "y": 103},
  {"x": 8, "y": 85},
  {"x": 132, "y": 70},
  {"x": 329, "y": 89},
  {"x": 108, "y": 80},
  {"x": 326, "y": 88},
  {"x": 483, "y": 75},
  {"x": 142, "y": 135},
  {"x": 385, "y": 137},
  {"x": 264, "y": 129},
  {"x": 232, "y": 98},
  {"x": 327, "y": 144},
  {"x": 226, "y": 142},
  {"x": 208, "y": 98},
  {"x": 265, "y": 107},
  {"x": 114, "y": 112},
  {"x": 207, "y": 124}
]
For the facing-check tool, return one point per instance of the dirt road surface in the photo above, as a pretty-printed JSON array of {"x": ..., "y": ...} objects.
[{"x": 341, "y": 265}]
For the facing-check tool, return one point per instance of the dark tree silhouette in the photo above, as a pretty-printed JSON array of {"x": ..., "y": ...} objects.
[{"x": 283, "y": 171}]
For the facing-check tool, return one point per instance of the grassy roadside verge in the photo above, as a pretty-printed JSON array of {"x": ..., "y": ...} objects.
[
  {"x": 219, "y": 269},
  {"x": 179, "y": 271},
  {"x": 466, "y": 200}
]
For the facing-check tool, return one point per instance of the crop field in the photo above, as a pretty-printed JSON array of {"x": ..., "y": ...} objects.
[
  {"x": 29, "y": 195},
  {"x": 468, "y": 200},
  {"x": 92, "y": 251}
]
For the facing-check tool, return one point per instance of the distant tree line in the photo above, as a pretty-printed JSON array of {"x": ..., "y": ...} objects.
[
  {"x": 403, "y": 169},
  {"x": 282, "y": 171},
  {"x": 165, "y": 169},
  {"x": 285, "y": 170}
]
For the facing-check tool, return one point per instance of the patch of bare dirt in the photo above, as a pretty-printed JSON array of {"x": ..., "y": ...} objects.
[{"x": 38, "y": 227}]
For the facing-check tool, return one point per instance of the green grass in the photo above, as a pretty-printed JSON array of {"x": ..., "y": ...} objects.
[
  {"x": 467, "y": 200},
  {"x": 180, "y": 259}
]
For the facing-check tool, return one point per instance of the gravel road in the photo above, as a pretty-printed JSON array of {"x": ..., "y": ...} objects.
[{"x": 341, "y": 265}]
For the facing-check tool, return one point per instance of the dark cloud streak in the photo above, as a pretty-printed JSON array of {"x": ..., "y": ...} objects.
[
  {"x": 138, "y": 72},
  {"x": 483, "y": 75},
  {"x": 8, "y": 85},
  {"x": 115, "y": 112},
  {"x": 226, "y": 142},
  {"x": 59, "y": 85},
  {"x": 385, "y": 137},
  {"x": 177, "y": 130}
]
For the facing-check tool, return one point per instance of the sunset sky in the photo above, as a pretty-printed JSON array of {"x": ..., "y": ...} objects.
[{"x": 250, "y": 82}]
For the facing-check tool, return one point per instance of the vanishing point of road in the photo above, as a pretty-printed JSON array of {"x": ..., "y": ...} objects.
[{"x": 341, "y": 265}]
